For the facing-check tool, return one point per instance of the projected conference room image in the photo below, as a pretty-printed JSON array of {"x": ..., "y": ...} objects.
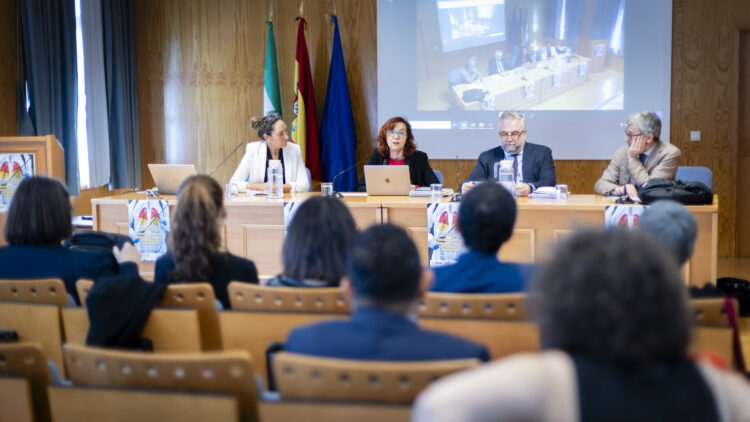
[{"x": 520, "y": 54}]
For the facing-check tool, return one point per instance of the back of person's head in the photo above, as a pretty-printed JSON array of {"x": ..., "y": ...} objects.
[
  {"x": 486, "y": 217},
  {"x": 673, "y": 225},
  {"x": 195, "y": 236},
  {"x": 383, "y": 266},
  {"x": 40, "y": 213},
  {"x": 318, "y": 240},
  {"x": 615, "y": 295}
]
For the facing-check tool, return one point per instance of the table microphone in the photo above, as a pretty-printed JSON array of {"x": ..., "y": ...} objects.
[
  {"x": 226, "y": 158},
  {"x": 457, "y": 197},
  {"x": 333, "y": 182}
]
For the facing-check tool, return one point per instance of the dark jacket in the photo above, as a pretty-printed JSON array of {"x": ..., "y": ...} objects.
[
  {"x": 373, "y": 334},
  {"x": 538, "y": 166},
  {"x": 420, "y": 172},
  {"x": 225, "y": 269},
  {"x": 42, "y": 261},
  {"x": 477, "y": 272},
  {"x": 284, "y": 281}
]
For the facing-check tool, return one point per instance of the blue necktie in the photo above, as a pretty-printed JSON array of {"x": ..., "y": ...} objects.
[
  {"x": 515, "y": 167},
  {"x": 643, "y": 158}
]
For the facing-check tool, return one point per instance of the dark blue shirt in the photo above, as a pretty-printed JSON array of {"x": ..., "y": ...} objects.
[{"x": 477, "y": 272}]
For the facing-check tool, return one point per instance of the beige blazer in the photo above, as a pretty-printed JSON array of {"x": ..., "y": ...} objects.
[{"x": 662, "y": 162}]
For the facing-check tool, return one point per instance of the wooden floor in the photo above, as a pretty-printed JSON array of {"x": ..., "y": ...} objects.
[{"x": 740, "y": 268}]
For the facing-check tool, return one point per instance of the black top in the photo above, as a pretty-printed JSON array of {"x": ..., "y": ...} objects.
[
  {"x": 41, "y": 261},
  {"x": 614, "y": 392},
  {"x": 225, "y": 269},
  {"x": 284, "y": 281},
  {"x": 420, "y": 172},
  {"x": 268, "y": 158}
]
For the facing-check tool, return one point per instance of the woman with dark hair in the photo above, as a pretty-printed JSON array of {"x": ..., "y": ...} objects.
[
  {"x": 615, "y": 324},
  {"x": 39, "y": 219},
  {"x": 396, "y": 146},
  {"x": 273, "y": 145},
  {"x": 316, "y": 244},
  {"x": 195, "y": 250}
]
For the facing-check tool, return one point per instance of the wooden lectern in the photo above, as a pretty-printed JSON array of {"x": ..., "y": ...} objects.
[{"x": 46, "y": 154}]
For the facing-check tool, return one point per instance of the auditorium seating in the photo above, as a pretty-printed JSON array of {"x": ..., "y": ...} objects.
[
  {"x": 24, "y": 376},
  {"x": 713, "y": 331},
  {"x": 39, "y": 324},
  {"x": 50, "y": 291}
]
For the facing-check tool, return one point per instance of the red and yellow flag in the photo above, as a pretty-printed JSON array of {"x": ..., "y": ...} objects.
[{"x": 305, "y": 125}]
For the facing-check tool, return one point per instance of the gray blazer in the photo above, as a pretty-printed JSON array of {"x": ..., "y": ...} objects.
[{"x": 662, "y": 162}]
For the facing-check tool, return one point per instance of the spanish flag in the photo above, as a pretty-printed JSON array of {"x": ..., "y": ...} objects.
[{"x": 305, "y": 125}]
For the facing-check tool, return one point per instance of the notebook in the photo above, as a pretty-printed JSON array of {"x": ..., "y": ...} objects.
[
  {"x": 169, "y": 176},
  {"x": 388, "y": 180}
]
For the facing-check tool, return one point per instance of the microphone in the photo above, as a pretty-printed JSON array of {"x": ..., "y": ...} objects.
[
  {"x": 457, "y": 196},
  {"x": 333, "y": 182},
  {"x": 226, "y": 158}
]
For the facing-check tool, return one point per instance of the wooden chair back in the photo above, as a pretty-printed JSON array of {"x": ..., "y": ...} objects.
[
  {"x": 218, "y": 372},
  {"x": 306, "y": 410},
  {"x": 316, "y": 378},
  {"x": 505, "y": 306},
  {"x": 713, "y": 333},
  {"x": 39, "y": 324},
  {"x": 170, "y": 330},
  {"x": 185, "y": 295},
  {"x": 253, "y": 297},
  {"x": 26, "y": 360},
  {"x": 47, "y": 291},
  {"x": 16, "y": 400}
]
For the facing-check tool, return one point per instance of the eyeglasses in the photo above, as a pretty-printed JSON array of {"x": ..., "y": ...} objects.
[
  {"x": 512, "y": 135},
  {"x": 398, "y": 134},
  {"x": 632, "y": 135}
]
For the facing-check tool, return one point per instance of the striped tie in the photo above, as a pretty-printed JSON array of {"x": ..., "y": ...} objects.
[{"x": 515, "y": 167}]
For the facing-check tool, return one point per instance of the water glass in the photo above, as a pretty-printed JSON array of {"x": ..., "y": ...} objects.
[
  {"x": 326, "y": 189},
  {"x": 436, "y": 191},
  {"x": 562, "y": 191}
]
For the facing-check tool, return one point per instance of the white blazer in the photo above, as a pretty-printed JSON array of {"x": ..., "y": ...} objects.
[{"x": 252, "y": 168}]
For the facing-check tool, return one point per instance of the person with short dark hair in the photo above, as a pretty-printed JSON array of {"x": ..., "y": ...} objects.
[
  {"x": 615, "y": 325},
  {"x": 39, "y": 219},
  {"x": 485, "y": 221},
  {"x": 672, "y": 225},
  {"x": 316, "y": 244},
  {"x": 386, "y": 281}
]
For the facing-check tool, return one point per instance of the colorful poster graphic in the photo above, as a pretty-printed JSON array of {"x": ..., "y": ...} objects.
[
  {"x": 444, "y": 241},
  {"x": 13, "y": 169},
  {"x": 623, "y": 216},
  {"x": 148, "y": 227}
]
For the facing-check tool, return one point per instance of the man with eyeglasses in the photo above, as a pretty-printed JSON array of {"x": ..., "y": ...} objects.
[
  {"x": 644, "y": 157},
  {"x": 532, "y": 164}
]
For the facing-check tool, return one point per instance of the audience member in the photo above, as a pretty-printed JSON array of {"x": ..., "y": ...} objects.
[
  {"x": 195, "y": 250},
  {"x": 615, "y": 324},
  {"x": 316, "y": 244},
  {"x": 485, "y": 220},
  {"x": 673, "y": 225},
  {"x": 385, "y": 283},
  {"x": 39, "y": 219}
]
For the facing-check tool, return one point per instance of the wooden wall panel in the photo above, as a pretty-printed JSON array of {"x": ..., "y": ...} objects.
[{"x": 8, "y": 29}]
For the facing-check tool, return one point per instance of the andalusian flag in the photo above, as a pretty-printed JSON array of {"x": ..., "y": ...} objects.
[
  {"x": 271, "y": 96},
  {"x": 305, "y": 125}
]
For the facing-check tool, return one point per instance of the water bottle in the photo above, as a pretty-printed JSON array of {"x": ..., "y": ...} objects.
[
  {"x": 275, "y": 180},
  {"x": 505, "y": 176}
]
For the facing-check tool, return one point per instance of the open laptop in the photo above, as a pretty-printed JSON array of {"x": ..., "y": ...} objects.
[
  {"x": 169, "y": 176},
  {"x": 388, "y": 180}
]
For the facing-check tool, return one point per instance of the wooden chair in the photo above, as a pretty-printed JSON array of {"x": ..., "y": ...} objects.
[
  {"x": 27, "y": 363},
  {"x": 499, "y": 321},
  {"x": 39, "y": 324},
  {"x": 215, "y": 372},
  {"x": 252, "y": 297},
  {"x": 186, "y": 295},
  {"x": 315, "y": 378},
  {"x": 713, "y": 333},
  {"x": 305, "y": 410},
  {"x": 48, "y": 291}
]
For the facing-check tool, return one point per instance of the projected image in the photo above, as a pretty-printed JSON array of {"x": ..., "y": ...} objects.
[{"x": 520, "y": 54}]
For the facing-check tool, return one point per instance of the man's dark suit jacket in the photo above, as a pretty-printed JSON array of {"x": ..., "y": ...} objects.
[
  {"x": 420, "y": 172},
  {"x": 44, "y": 261},
  {"x": 492, "y": 65},
  {"x": 538, "y": 167},
  {"x": 378, "y": 335}
]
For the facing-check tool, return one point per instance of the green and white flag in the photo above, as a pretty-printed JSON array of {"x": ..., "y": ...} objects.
[{"x": 271, "y": 95}]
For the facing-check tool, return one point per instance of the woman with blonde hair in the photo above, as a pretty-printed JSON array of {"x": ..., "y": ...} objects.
[{"x": 195, "y": 250}]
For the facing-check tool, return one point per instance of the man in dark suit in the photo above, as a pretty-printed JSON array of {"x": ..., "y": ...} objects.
[
  {"x": 385, "y": 281},
  {"x": 498, "y": 64},
  {"x": 485, "y": 220},
  {"x": 532, "y": 164}
]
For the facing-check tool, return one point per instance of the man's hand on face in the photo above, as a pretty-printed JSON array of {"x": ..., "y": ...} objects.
[{"x": 637, "y": 146}]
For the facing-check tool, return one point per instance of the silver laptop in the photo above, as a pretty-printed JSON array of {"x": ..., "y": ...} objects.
[
  {"x": 388, "y": 180},
  {"x": 169, "y": 176}
]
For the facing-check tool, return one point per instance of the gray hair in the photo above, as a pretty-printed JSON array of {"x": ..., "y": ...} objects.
[
  {"x": 672, "y": 225},
  {"x": 513, "y": 115},
  {"x": 647, "y": 121}
]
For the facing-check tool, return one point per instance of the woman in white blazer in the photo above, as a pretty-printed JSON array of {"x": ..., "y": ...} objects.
[{"x": 274, "y": 145}]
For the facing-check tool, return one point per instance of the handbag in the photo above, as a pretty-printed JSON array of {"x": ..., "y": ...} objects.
[{"x": 686, "y": 193}]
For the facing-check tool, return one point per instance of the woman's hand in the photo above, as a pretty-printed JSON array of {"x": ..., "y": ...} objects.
[
  {"x": 258, "y": 186},
  {"x": 128, "y": 253}
]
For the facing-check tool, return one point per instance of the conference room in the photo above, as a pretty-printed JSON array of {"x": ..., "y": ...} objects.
[{"x": 211, "y": 153}]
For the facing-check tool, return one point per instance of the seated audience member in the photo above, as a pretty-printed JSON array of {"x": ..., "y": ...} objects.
[
  {"x": 396, "y": 147},
  {"x": 316, "y": 244},
  {"x": 485, "y": 220},
  {"x": 39, "y": 219},
  {"x": 533, "y": 165},
  {"x": 672, "y": 225},
  {"x": 498, "y": 64},
  {"x": 643, "y": 158},
  {"x": 195, "y": 250},
  {"x": 386, "y": 281},
  {"x": 615, "y": 324}
]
